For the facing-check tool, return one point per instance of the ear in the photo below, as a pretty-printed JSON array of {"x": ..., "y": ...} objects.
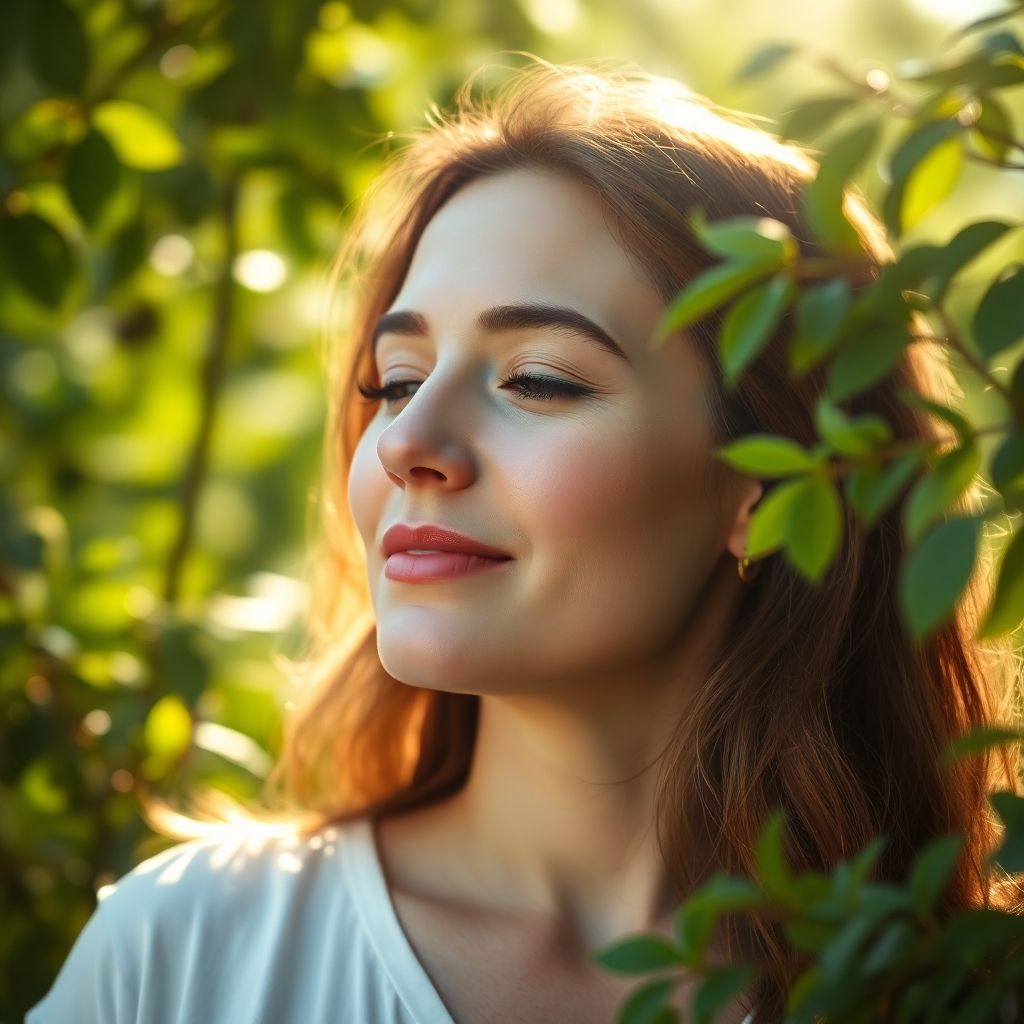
[{"x": 751, "y": 492}]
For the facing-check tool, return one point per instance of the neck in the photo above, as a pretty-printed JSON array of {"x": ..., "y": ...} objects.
[{"x": 557, "y": 819}]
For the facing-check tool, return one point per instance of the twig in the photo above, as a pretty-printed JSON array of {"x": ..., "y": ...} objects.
[
  {"x": 956, "y": 343},
  {"x": 213, "y": 372}
]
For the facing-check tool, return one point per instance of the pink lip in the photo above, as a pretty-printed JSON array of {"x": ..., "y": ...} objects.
[
  {"x": 401, "y": 537},
  {"x": 444, "y": 565},
  {"x": 452, "y": 554}
]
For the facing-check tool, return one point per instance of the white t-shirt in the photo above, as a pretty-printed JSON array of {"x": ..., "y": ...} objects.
[{"x": 270, "y": 930}]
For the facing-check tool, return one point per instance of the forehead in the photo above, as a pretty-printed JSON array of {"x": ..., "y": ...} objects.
[{"x": 530, "y": 235}]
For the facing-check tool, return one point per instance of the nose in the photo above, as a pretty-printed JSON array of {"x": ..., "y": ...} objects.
[{"x": 424, "y": 444}]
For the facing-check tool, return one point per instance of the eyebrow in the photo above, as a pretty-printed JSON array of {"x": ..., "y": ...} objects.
[{"x": 517, "y": 316}]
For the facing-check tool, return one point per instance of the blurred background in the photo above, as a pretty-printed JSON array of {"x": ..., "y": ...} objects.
[{"x": 175, "y": 176}]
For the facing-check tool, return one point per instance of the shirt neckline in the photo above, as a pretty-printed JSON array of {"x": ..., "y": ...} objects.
[{"x": 381, "y": 924}]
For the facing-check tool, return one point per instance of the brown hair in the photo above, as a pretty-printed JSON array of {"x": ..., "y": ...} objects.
[{"x": 818, "y": 702}]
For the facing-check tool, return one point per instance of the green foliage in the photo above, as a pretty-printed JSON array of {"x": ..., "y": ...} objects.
[
  {"x": 162, "y": 408},
  {"x": 861, "y": 337},
  {"x": 823, "y": 200},
  {"x": 877, "y": 951},
  {"x": 174, "y": 178},
  {"x": 880, "y": 951}
]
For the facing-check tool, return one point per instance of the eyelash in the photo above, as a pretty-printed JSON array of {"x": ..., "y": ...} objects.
[{"x": 528, "y": 385}]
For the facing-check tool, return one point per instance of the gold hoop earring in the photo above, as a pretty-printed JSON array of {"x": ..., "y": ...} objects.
[{"x": 744, "y": 570}]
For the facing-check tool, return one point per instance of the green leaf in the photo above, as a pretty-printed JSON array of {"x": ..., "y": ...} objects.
[
  {"x": 770, "y": 522},
  {"x": 728, "y": 892},
  {"x": 765, "y": 59},
  {"x": 823, "y": 197},
  {"x": 37, "y": 257},
  {"x": 1004, "y": 72},
  {"x": 847, "y": 435},
  {"x": 978, "y": 739},
  {"x": 140, "y": 138},
  {"x": 92, "y": 176},
  {"x": 748, "y": 238},
  {"x": 1010, "y": 807},
  {"x": 932, "y": 869},
  {"x": 934, "y": 573},
  {"x": 962, "y": 248},
  {"x": 694, "y": 923},
  {"x": 933, "y": 178},
  {"x": 999, "y": 319},
  {"x": 841, "y": 959},
  {"x": 810, "y": 934},
  {"x": 914, "y": 266},
  {"x": 773, "y": 870},
  {"x": 865, "y": 359},
  {"x": 717, "y": 988},
  {"x": 812, "y": 888},
  {"x": 767, "y": 456},
  {"x": 932, "y": 495},
  {"x": 816, "y": 518},
  {"x": 891, "y": 948},
  {"x": 986, "y": 20},
  {"x": 1002, "y": 41},
  {"x": 707, "y": 291},
  {"x": 1007, "y": 465},
  {"x": 749, "y": 323},
  {"x": 168, "y": 729},
  {"x": 880, "y": 900},
  {"x": 41, "y": 789},
  {"x": 1007, "y": 611},
  {"x": 803, "y": 995},
  {"x": 807, "y": 120},
  {"x": 923, "y": 169},
  {"x": 646, "y": 1002},
  {"x": 979, "y": 71},
  {"x": 210, "y": 61},
  {"x": 638, "y": 954},
  {"x": 58, "y": 47},
  {"x": 820, "y": 312},
  {"x": 865, "y": 860}
]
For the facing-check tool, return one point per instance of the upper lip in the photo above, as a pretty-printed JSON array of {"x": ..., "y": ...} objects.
[{"x": 401, "y": 537}]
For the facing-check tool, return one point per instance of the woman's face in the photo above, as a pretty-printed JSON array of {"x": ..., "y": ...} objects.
[{"x": 603, "y": 497}]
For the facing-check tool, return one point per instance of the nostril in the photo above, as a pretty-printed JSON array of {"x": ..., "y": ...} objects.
[{"x": 426, "y": 471}]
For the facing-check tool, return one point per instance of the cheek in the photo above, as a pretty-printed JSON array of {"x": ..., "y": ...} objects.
[
  {"x": 616, "y": 492},
  {"x": 625, "y": 537}
]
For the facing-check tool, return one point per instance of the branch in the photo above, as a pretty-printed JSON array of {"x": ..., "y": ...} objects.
[
  {"x": 213, "y": 373},
  {"x": 902, "y": 106},
  {"x": 1003, "y": 165},
  {"x": 842, "y": 467}
]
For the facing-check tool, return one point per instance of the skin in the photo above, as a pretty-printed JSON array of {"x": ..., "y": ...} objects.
[{"x": 624, "y": 536}]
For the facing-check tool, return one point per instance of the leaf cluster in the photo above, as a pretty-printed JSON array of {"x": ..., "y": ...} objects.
[{"x": 876, "y": 951}]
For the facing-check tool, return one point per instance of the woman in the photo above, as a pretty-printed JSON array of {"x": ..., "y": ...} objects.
[{"x": 552, "y": 695}]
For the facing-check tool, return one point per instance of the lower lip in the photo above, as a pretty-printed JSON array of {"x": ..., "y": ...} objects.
[{"x": 445, "y": 565}]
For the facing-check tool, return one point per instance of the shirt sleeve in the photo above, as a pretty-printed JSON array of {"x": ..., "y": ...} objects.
[{"x": 90, "y": 987}]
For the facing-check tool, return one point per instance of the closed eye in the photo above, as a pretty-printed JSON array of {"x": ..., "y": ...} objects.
[{"x": 528, "y": 385}]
